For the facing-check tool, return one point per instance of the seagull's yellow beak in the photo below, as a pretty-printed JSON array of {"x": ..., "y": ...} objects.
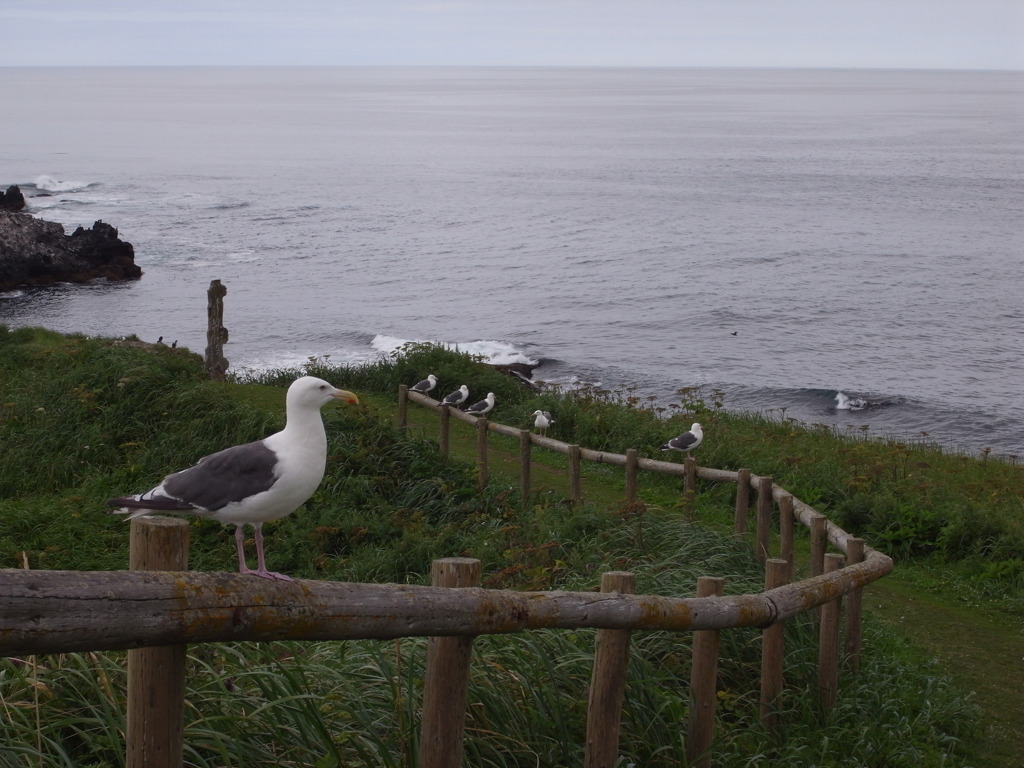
[{"x": 346, "y": 397}]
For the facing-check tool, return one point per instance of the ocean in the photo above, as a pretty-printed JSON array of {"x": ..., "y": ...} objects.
[{"x": 775, "y": 237}]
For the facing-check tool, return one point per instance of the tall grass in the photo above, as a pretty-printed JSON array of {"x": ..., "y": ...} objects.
[{"x": 357, "y": 702}]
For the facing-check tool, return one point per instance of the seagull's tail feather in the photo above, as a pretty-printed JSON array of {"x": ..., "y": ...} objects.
[{"x": 133, "y": 506}]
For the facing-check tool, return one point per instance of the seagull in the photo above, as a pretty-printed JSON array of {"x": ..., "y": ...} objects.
[
  {"x": 426, "y": 385},
  {"x": 845, "y": 403},
  {"x": 687, "y": 441},
  {"x": 542, "y": 421},
  {"x": 457, "y": 397},
  {"x": 255, "y": 482},
  {"x": 484, "y": 406}
]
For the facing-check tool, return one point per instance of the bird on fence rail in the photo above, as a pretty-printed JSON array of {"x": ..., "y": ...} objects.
[
  {"x": 542, "y": 421},
  {"x": 255, "y": 482},
  {"x": 483, "y": 407},
  {"x": 687, "y": 441},
  {"x": 457, "y": 397},
  {"x": 426, "y": 385}
]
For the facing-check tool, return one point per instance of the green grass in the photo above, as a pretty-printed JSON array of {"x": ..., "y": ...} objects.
[{"x": 114, "y": 418}]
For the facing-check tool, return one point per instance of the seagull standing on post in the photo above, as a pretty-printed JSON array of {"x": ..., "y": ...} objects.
[
  {"x": 255, "y": 482},
  {"x": 687, "y": 441},
  {"x": 483, "y": 407},
  {"x": 457, "y": 397},
  {"x": 426, "y": 385}
]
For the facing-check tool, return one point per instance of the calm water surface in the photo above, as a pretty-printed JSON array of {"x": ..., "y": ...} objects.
[{"x": 779, "y": 235}]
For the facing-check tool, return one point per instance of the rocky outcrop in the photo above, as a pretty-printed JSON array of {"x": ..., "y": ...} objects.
[
  {"x": 12, "y": 199},
  {"x": 35, "y": 252}
]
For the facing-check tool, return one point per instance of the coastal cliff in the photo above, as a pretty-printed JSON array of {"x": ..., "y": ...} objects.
[{"x": 37, "y": 253}]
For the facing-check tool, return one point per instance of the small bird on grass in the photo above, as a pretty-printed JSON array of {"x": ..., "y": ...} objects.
[
  {"x": 685, "y": 442},
  {"x": 482, "y": 407},
  {"x": 426, "y": 385},
  {"x": 255, "y": 482},
  {"x": 542, "y": 420},
  {"x": 457, "y": 397}
]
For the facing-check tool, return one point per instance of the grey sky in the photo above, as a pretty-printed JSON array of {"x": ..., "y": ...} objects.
[{"x": 956, "y": 34}]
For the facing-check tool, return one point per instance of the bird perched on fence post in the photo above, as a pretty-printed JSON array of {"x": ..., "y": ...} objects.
[
  {"x": 457, "y": 397},
  {"x": 426, "y": 385},
  {"x": 542, "y": 421},
  {"x": 255, "y": 482},
  {"x": 685, "y": 442},
  {"x": 482, "y": 407}
]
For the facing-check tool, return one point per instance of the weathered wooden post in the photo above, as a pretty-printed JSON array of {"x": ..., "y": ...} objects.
[
  {"x": 777, "y": 574},
  {"x": 446, "y": 677},
  {"x": 216, "y": 333},
  {"x": 156, "y": 676},
  {"x": 828, "y": 641},
  {"x": 481, "y": 453},
  {"x": 854, "y": 601},
  {"x": 819, "y": 542},
  {"x": 764, "y": 518},
  {"x": 690, "y": 483},
  {"x": 786, "y": 524},
  {"x": 524, "y": 466},
  {"x": 575, "y": 476},
  {"x": 742, "y": 501},
  {"x": 444, "y": 426},
  {"x": 403, "y": 406},
  {"x": 608, "y": 683},
  {"x": 631, "y": 470},
  {"x": 703, "y": 683}
]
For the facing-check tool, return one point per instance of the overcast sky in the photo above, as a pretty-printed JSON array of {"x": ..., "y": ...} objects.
[{"x": 956, "y": 34}]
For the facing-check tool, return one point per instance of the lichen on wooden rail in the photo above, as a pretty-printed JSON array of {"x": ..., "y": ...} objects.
[{"x": 66, "y": 611}]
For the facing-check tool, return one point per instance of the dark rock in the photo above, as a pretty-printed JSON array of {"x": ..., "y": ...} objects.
[
  {"x": 12, "y": 199},
  {"x": 35, "y": 252}
]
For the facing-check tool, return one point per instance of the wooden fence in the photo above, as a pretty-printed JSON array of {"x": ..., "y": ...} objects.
[{"x": 158, "y": 608}]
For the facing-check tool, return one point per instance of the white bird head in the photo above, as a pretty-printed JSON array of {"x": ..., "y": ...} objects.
[{"x": 311, "y": 392}]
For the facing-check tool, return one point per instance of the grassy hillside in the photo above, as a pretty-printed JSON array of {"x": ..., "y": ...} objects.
[{"x": 84, "y": 419}]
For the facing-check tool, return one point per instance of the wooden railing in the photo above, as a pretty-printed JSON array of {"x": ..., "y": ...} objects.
[{"x": 158, "y": 608}]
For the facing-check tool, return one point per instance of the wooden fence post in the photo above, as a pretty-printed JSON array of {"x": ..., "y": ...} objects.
[
  {"x": 690, "y": 482},
  {"x": 216, "y": 333},
  {"x": 786, "y": 524},
  {"x": 444, "y": 426},
  {"x": 777, "y": 574},
  {"x": 446, "y": 676},
  {"x": 764, "y": 518},
  {"x": 403, "y": 406},
  {"x": 742, "y": 501},
  {"x": 828, "y": 641},
  {"x": 481, "y": 453},
  {"x": 631, "y": 469},
  {"x": 703, "y": 683},
  {"x": 575, "y": 477},
  {"x": 524, "y": 466},
  {"x": 852, "y": 641},
  {"x": 608, "y": 683},
  {"x": 819, "y": 542},
  {"x": 156, "y": 676}
]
